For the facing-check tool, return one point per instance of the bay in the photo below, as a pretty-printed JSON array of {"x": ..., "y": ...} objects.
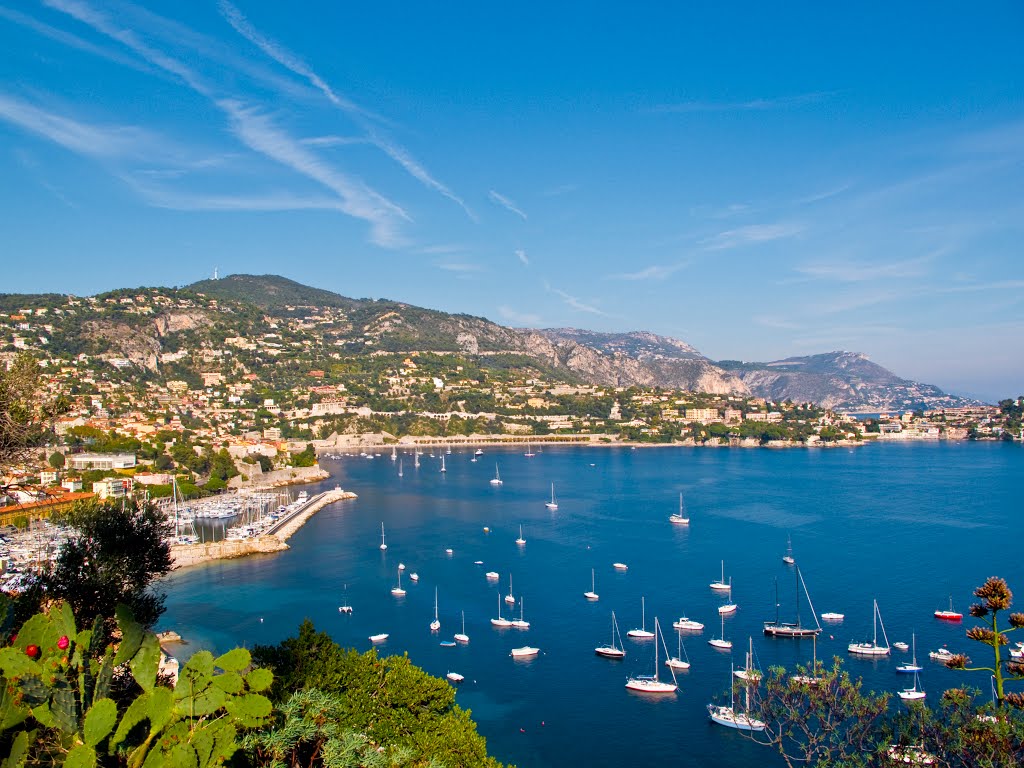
[{"x": 909, "y": 524}]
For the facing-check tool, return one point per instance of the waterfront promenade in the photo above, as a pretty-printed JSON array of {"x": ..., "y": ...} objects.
[{"x": 273, "y": 540}]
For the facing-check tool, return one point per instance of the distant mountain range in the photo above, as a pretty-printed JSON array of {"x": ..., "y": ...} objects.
[{"x": 839, "y": 380}]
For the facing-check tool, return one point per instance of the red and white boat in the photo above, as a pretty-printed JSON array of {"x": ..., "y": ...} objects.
[{"x": 949, "y": 615}]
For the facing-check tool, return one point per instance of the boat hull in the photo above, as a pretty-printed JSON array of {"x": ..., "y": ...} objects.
[
  {"x": 867, "y": 649},
  {"x": 730, "y": 719},
  {"x": 773, "y": 629},
  {"x": 643, "y": 685},
  {"x": 949, "y": 615},
  {"x": 610, "y": 653}
]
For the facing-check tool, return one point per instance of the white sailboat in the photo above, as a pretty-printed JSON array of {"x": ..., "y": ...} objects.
[
  {"x": 788, "y": 557},
  {"x": 510, "y": 598},
  {"x": 500, "y": 622},
  {"x": 913, "y": 666},
  {"x": 680, "y": 518},
  {"x": 612, "y": 651},
  {"x": 520, "y": 541},
  {"x": 394, "y": 453},
  {"x": 728, "y": 606},
  {"x": 814, "y": 678},
  {"x": 730, "y": 718},
  {"x": 779, "y": 628},
  {"x": 520, "y": 623},
  {"x": 526, "y": 652},
  {"x": 749, "y": 673},
  {"x": 721, "y": 585},
  {"x": 681, "y": 660},
  {"x": 912, "y": 694},
  {"x": 462, "y": 637},
  {"x": 443, "y": 469},
  {"x": 383, "y": 546},
  {"x": 345, "y": 607},
  {"x": 496, "y": 480},
  {"x": 436, "y": 623},
  {"x": 416, "y": 458},
  {"x": 529, "y": 452},
  {"x": 872, "y": 648},
  {"x": 591, "y": 595},
  {"x": 651, "y": 683},
  {"x": 642, "y": 633},
  {"x": 552, "y": 505},
  {"x": 720, "y": 642},
  {"x": 398, "y": 591},
  {"x": 400, "y": 467}
]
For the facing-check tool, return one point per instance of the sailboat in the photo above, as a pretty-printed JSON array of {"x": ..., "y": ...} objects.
[
  {"x": 462, "y": 637},
  {"x": 792, "y": 629},
  {"x": 642, "y": 633},
  {"x": 728, "y": 606},
  {"x": 520, "y": 623},
  {"x": 680, "y": 518},
  {"x": 749, "y": 673},
  {"x": 788, "y": 557},
  {"x": 720, "y": 642},
  {"x": 591, "y": 595},
  {"x": 398, "y": 591},
  {"x": 442, "y": 464},
  {"x": 730, "y": 718},
  {"x": 721, "y": 585},
  {"x": 651, "y": 683},
  {"x": 912, "y": 694},
  {"x": 520, "y": 541},
  {"x": 496, "y": 480},
  {"x": 529, "y": 452},
  {"x": 436, "y": 623},
  {"x": 552, "y": 505},
  {"x": 383, "y": 546},
  {"x": 500, "y": 622},
  {"x": 872, "y": 648},
  {"x": 416, "y": 458},
  {"x": 949, "y": 615},
  {"x": 612, "y": 651},
  {"x": 399, "y": 467},
  {"x": 680, "y": 660},
  {"x": 394, "y": 453},
  {"x": 813, "y": 678},
  {"x": 510, "y": 598},
  {"x": 913, "y": 666},
  {"x": 345, "y": 607}
]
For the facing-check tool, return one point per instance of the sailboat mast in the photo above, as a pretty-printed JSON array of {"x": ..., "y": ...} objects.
[{"x": 796, "y": 590}]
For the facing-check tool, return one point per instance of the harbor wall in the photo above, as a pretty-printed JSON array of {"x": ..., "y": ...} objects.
[{"x": 185, "y": 555}]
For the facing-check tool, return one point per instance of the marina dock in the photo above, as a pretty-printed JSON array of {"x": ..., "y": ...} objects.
[{"x": 273, "y": 539}]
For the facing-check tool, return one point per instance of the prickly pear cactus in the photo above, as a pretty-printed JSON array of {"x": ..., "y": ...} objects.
[{"x": 59, "y": 678}]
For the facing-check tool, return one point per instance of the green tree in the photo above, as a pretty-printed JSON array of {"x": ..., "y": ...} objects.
[
  {"x": 25, "y": 413},
  {"x": 305, "y": 458},
  {"x": 119, "y": 549},
  {"x": 56, "y": 460}
]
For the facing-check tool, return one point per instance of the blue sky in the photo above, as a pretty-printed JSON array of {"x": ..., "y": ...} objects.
[{"x": 759, "y": 180}]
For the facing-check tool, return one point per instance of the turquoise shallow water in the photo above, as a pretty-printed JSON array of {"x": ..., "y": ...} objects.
[{"x": 907, "y": 524}]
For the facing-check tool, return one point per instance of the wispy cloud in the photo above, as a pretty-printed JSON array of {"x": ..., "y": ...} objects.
[
  {"x": 752, "y": 105},
  {"x": 750, "y": 235},
  {"x": 521, "y": 255},
  {"x": 77, "y": 136},
  {"x": 334, "y": 141},
  {"x": 363, "y": 117},
  {"x": 771, "y": 321},
  {"x": 653, "y": 272},
  {"x": 575, "y": 303},
  {"x": 257, "y": 131},
  {"x": 504, "y": 202},
  {"x": 847, "y": 271},
  {"x": 520, "y": 318},
  {"x": 70, "y": 40},
  {"x": 461, "y": 267}
]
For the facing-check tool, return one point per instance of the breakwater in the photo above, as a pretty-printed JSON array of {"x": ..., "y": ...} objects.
[{"x": 274, "y": 540}]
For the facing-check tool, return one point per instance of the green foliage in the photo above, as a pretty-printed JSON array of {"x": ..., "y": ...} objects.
[
  {"x": 389, "y": 701},
  {"x": 305, "y": 458},
  {"x": 60, "y": 702},
  {"x": 56, "y": 460},
  {"x": 119, "y": 550},
  {"x": 24, "y": 415}
]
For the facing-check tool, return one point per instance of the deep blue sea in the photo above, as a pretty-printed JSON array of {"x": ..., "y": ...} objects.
[{"x": 908, "y": 524}]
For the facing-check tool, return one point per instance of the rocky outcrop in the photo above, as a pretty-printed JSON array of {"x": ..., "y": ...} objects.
[{"x": 185, "y": 320}]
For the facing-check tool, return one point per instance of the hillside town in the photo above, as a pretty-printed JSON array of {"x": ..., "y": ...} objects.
[{"x": 253, "y": 404}]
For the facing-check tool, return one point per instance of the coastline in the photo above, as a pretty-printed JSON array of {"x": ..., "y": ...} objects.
[
  {"x": 275, "y": 540},
  {"x": 378, "y": 442}
]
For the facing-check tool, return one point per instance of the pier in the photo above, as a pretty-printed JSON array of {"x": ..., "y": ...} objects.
[{"x": 274, "y": 539}]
